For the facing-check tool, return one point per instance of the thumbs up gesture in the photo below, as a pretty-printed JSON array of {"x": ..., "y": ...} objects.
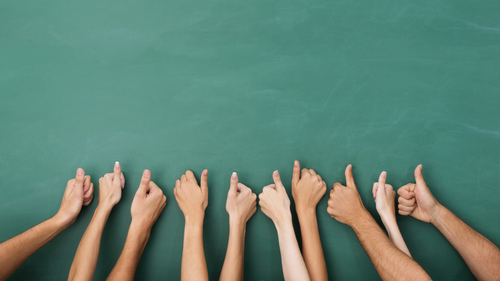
[
  {"x": 274, "y": 201},
  {"x": 416, "y": 199},
  {"x": 241, "y": 202},
  {"x": 148, "y": 203},
  {"x": 344, "y": 204}
]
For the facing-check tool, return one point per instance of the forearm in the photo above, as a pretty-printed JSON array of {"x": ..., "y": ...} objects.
[
  {"x": 294, "y": 267},
  {"x": 232, "y": 269},
  {"x": 15, "y": 251},
  {"x": 389, "y": 261},
  {"x": 194, "y": 266},
  {"x": 311, "y": 245},
  {"x": 394, "y": 233},
  {"x": 127, "y": 263},
  {"x": 480, "y": 254},
  {"x": 84, "y": 263}
]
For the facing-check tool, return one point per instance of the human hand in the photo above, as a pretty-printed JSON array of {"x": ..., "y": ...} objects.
[
  {"x": 307, "y": 188},
  {"x": 110, "y": 187},
  {"x": 79, "y": 192},
  {"x": 384, "y": 196},
  {"x": 416, "y": 200},
  {"x": 275, "y": 203},
  {"x": 191, "y": 197},
  {"x": 344, "y": 204},
  {"x": 241, "y": 202},
  {"x": 148, "y": 203}
]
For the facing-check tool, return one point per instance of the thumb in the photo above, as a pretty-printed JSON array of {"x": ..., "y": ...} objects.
[
  {"x": 117, "y": 174},
  {"x": 146, "y": 178},
  {"x": 419, "y": 178},
  {"x": 203, "y": 181},
  {"x": 79, "y": 180},
  {"x": 277, "y": 180},
  {"x": 349, "y": 178},
  {"x": 296, "y": 173},
  {"x": 381, "y": 183},
  {"x": 234, "y": 183}
]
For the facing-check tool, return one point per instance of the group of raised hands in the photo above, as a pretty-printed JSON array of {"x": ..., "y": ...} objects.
[{"x": 389, "y": 253}]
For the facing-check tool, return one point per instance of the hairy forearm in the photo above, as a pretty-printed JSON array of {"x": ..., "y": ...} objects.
[
  {"x": 311, "y": 245},
  {"x": 294, "y": 267},
  {"x": 389, "y": 261},
  {"x": 232, "y": 270},
  {"x": 480, "y": 254},
  {"x": 15, "y": 251},
  {"x": 84, "y": 263},
  {"x": 127, "y": 263},
  {"x": 194, "y": 266},
  {"x": 391, "y": 225}
]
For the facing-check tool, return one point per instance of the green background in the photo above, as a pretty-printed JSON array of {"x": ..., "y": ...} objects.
[{"x": 248, "y": 86}]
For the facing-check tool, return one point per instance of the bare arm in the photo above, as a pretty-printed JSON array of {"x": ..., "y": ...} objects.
[
  {"x": 294, "y": 267},
  {"x": 127, "y": 263},
  {"x": 147, "y": 206},
  {"x": 275, "y": 204},
  {"x": 85, "y": 261},
  {"x": 384, "y": 199},
  {"x": 193, "y": 200},
  {"x": 307, "y": 189},
  {"x": 241, "y": 205},
  {"x": 346, "y": 206},
  {"x": 388, "y": 260},
  {"x": 15, "y": 251},
  {"x": 480, "y": 254}
]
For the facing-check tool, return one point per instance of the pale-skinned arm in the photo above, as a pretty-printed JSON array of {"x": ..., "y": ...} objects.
[
  {"x": 85, "y": 261},
  {"x": 193, "y": 200},
  {"x": 15, "y": 251},
  {"x": 386, "y": 208},
  {"x": 147, "y": 206},
  {"x": 241, "y": 204},
  {"x": 480, "y": 254},
  {"x": 275, "y": 204},
  {"x": 307, "y": 190},
  {"x": 346, "y": 206}
]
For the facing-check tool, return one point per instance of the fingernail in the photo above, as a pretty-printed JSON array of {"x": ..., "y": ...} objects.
[
  {"x": 79, "y": 172},
  {"x": 146, "y": 174},
  {"x": 384, "y": 174},
  {"x": 296, "y": 163},
  {"x": 117, "y": 165},
  {"x": 275, "y": 173},
  {"x": 205, "y": 172},
  {"x": 233, "y": 176}
]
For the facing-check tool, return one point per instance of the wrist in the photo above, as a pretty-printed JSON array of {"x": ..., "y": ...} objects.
[
  {"x": 306, "y": 212},
  {"x": 194, "y": 221},
  {"x": 139, "y": 227},
  {"x": 437, "y": 215},
  {"x": 283, "y": 224},
  {"x": 237, "y": 223},
  {"x": 61, "y": 222},
  {"x": 359, "y": 220}
]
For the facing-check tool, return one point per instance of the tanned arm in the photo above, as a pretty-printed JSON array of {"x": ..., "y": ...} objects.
[{"x": 15, "y": 251}]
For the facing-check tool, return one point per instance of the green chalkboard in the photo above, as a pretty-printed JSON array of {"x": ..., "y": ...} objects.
[{"x": 248, "y": 86}]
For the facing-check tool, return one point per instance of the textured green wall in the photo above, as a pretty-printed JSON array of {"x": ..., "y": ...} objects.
[{"x": 248, "y": 86}]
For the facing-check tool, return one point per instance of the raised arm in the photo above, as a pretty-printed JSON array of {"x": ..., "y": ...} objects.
[
  {"x": 147, "y": 206},
  {"x": 346, "y": 206},
  {"x": 193, "y": 200},
  {"x": 15, "y": 251},
  {"x": 480, "y": 254},
  {"x": 307, "y": 190},
  {"x": 241, "y": 204},
  {"x": 275, "y": 203},
  {"x": 385, "y": 202},
  {"x": 110, "y": 192}
]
